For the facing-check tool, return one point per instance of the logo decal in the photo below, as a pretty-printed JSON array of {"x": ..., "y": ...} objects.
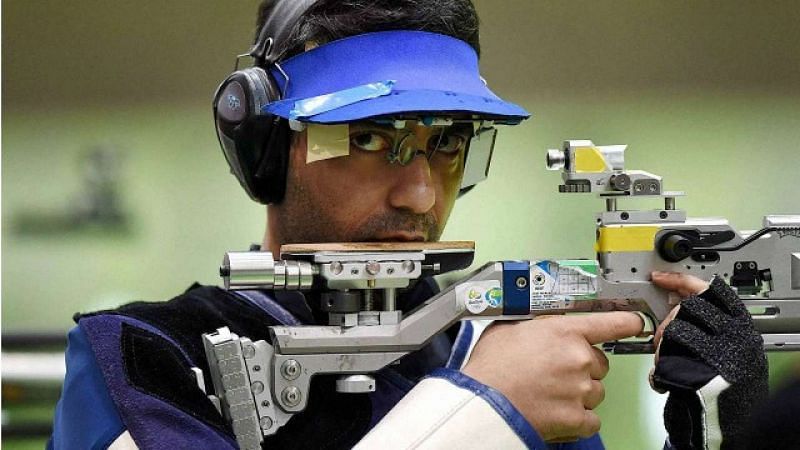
[
  {"x": 233, "y": 102},
  {"x": 494, "y": 297},
  {"x": 478, "y": 296}
]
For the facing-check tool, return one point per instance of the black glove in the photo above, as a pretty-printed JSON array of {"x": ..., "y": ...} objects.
[{"x": 711, "y": 361}]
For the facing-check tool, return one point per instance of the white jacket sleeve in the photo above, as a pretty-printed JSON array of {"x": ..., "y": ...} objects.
[{"x": 451, "y": 410}]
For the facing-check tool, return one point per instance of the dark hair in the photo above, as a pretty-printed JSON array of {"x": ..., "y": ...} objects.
[{"x": 328, "y": 20}]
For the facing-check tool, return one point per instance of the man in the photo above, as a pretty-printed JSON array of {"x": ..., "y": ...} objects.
[{"x": 361, "y": 123}]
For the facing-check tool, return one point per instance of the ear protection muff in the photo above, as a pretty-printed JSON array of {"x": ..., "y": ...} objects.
[{"x": 256, "y": 144}]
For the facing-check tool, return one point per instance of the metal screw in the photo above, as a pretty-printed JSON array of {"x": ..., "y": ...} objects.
[
  {"x": 265, "y": 403},
  {"x": 408, "y": 266},
  {"x": 291, "y": 396},
  {"x": 256, "y": 368},
  {"x": 662, "y": 214},
  {"x": 265, "y": 422},
  {"x": 257, "y": 387},
  {"x": 752, "y": 265},
  {"x": 522, "y": 282},
  {"x": 354, "y": 271},
  {"x": 336, "y": 267},
  {"x": 290, "y": 369},
  {"x": 248, "y": 351},
  {"x": 390, "y": 270},
  {"x": 373, "y": 267}
]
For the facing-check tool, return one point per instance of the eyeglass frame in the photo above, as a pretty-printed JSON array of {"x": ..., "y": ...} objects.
[{"x": 483, "y": 130}]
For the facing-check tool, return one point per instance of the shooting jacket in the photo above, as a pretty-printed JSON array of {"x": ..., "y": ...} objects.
[{"x": 129, "y": 384}]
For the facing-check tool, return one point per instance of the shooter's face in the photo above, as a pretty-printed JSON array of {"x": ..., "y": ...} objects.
[{"x": 362, "y": 197}]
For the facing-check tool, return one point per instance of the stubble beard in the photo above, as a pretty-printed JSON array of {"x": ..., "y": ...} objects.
[{"x": 307, "y": 219}]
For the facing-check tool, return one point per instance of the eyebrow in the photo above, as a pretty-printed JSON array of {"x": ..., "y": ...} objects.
[{"x": 367, "y": 124}]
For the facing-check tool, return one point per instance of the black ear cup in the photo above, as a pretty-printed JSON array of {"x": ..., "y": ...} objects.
[{"x": 255, "y": 144}]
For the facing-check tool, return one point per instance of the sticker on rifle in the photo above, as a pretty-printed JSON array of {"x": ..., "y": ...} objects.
[
  {"x": 494, "y": 297},
  {"x": 543, "y": 305},
  {"x": 478, "y": 296},
  {"x": 558, "y": 284},
  {"x": 563, "y": 279}
]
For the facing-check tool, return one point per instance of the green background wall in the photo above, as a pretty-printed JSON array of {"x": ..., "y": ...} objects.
[{"x": 706, "y": 94}]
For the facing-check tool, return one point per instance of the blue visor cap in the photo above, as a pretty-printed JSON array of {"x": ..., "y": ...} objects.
[{"x": 387, "y": 73}]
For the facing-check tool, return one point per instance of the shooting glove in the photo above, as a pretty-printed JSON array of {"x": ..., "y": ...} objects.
[{"x": 712, "y": 362}]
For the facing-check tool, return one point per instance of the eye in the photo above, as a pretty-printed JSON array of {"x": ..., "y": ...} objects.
[
  {"x": 369, "y": 141},
  {"x": 449, "y": 143}
]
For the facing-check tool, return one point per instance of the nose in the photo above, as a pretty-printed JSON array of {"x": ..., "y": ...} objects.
[{"x": 413, "y": 189}]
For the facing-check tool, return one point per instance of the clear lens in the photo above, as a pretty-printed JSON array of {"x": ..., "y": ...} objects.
[
  {"x": 405, "y": 150},
  {"x": 450, "y": 141}
]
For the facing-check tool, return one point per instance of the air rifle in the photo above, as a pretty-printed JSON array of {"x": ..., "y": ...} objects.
[{"x": 260, "y": 385}]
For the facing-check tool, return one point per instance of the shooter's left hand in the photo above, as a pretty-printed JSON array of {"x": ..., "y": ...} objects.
[{"x": 711, "y": 360}]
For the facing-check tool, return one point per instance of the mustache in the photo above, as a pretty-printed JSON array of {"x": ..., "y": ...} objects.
[{"x": 400, "y": 221}]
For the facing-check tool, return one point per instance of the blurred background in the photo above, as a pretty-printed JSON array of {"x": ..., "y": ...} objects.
[{"x": 114, "y": 188}]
